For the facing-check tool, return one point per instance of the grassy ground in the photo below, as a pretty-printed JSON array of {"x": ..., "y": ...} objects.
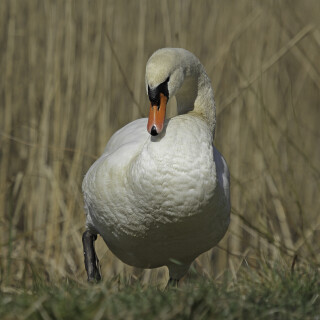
[{"x": 270, "y": 293}]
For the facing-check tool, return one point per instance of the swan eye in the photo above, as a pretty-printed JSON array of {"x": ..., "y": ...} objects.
[
  {"x": 154, "y": 94},
  {"x": 163, "y": 87}
]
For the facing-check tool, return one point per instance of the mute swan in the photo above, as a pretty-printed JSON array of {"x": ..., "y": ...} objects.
[{"x": 159, "y": 194}]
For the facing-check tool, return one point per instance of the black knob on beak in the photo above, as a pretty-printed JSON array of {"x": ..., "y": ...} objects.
[{"x": 154, "y": 131}]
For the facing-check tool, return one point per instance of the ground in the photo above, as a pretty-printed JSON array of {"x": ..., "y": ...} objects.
[{"x": 269, "y": 292}]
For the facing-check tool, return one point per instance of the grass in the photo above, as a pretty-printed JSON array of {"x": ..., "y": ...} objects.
[{"x": 272, "y": 292}]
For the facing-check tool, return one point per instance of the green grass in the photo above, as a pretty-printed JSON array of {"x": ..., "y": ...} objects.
[{"x": 267, "y": 293}]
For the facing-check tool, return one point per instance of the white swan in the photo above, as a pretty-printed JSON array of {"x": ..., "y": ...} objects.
[{"x": 161, "y": 199}]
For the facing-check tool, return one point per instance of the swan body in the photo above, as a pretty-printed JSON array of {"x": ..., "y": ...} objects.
[{"x": 163, "y": 199}]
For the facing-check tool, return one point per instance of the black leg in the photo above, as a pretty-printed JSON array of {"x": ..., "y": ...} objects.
[
  {"x": 172, "y": 283},
  {"x": 91, "y": 261}
]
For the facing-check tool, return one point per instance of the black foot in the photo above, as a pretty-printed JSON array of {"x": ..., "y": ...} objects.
[
  {"x": 91, "y": 261},
  {"x": 172, "y": 283}
]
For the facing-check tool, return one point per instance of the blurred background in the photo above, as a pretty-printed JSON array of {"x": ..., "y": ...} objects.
[{"x": 72, "y": 73}]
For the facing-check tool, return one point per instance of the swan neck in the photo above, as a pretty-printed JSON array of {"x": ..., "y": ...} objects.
[{"x": 196, "y": 95}]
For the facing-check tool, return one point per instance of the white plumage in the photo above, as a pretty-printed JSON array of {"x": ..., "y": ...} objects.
[{"x": 157, "y": 200}]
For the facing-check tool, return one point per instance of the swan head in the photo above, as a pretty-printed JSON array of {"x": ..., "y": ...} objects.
[{"x": 165, "y": 74}]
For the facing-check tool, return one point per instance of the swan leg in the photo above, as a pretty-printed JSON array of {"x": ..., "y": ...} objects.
[
  {"x": 172, "y": 283},
  {"x": 91, "y": 261},
  {"x": 176, "y": 271}
]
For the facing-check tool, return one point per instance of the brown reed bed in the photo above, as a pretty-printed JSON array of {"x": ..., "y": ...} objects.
[{"x": 72, "y": 73}]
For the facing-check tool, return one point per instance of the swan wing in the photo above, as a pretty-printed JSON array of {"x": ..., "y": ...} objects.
[
  {"x": 134, "y": 133},
  {"x": 223, "y": 175}
]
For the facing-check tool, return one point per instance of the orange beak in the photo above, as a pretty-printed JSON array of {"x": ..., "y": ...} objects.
[{"x": 157, "y": 115}]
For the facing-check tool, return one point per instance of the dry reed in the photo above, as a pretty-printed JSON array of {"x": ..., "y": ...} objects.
[{"x": 72, "y": 72}]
